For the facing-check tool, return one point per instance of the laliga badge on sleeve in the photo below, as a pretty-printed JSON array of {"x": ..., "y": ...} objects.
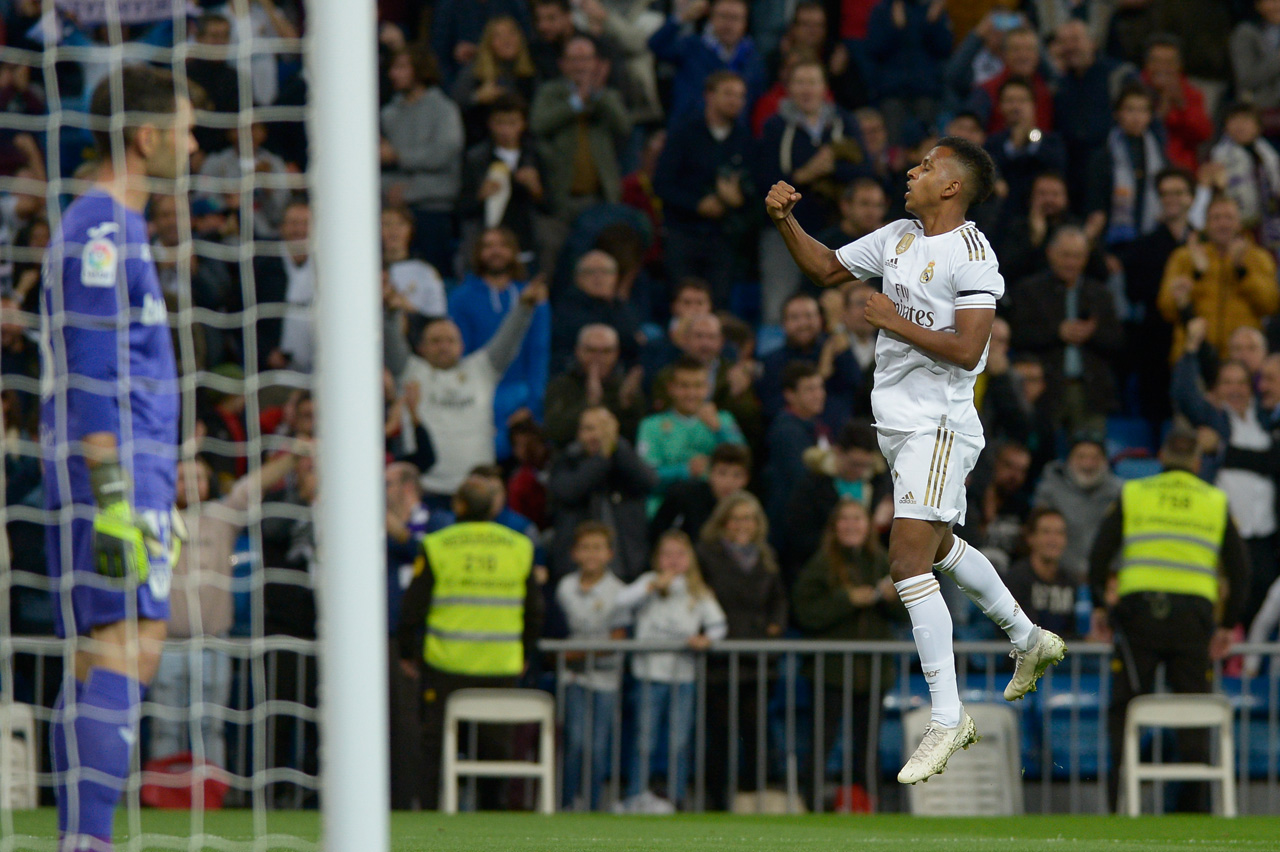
[{"x": 99, "y": 257}]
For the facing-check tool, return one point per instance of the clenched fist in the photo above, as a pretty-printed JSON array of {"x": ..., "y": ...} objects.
[
  {"x": 781, "y": 198},
  {"x": 881, "y": 311}
]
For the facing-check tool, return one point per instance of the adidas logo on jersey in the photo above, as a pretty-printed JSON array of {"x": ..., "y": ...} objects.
[
  {"x": 908, "y": 498},
  {"x": 891, "y": 263}
]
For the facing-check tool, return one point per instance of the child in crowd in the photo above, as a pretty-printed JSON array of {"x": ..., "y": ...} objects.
[
  {"x": 588, "y": 599},
  {"x": 672, "y": 603}
]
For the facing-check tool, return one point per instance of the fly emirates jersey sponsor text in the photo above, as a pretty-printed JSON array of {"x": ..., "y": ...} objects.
[{"x": 928, "y": 279}]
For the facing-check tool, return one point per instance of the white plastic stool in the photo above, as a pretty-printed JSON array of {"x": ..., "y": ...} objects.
[
  {"x": 1179, "y": 711},
  {"x": 501, "y": 707},
  {"x": 17, "y": 757}
]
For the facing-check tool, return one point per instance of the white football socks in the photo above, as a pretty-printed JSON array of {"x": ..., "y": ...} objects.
[
  {"x": 978, "y": 579},
  {"x": 931, "y": 627}
]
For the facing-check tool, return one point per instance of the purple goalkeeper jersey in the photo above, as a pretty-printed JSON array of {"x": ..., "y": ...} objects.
[{"x": 104, "y": 370}]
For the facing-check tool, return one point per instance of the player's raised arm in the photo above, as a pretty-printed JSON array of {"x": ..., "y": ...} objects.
[
  {"x": 963, "y": 347},
  {"x": 815, "y": 260}
]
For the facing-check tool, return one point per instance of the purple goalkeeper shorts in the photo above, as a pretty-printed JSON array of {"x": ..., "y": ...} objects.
[{"x": 96, "y": 600}]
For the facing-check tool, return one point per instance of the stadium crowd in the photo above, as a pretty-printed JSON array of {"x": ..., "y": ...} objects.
[{"x": 680, "y": 423}]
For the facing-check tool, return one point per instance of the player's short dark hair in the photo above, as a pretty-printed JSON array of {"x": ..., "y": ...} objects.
[
  {"x": 1016, "y": 83},
  {"x": 143, "y": 89},
  {"x": 980, "y": 170},
  {"x": 590, "y": 528},
  {"x": 1176, "y": 173},
  {"x": 737, "y": 455},
  {"x": 688, "y": 364},
  {"x": 858, "y": 435},
  {"x": 796, "y": 372},
  {"x": 716, "y": 78}
]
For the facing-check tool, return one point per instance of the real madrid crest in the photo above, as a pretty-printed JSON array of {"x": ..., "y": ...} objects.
[
  {"x": 905, "y": 243},
  {"x": 927, "y": 275}
]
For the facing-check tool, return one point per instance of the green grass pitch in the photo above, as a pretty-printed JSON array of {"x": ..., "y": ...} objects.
[{"x": 705, "y": 833}]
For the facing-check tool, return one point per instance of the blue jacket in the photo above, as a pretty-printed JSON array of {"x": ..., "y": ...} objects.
[
  {"x": 695, "y": 56},
  {"x": 478, "y": 311},
  {"x": 909, "y": 62},
  {"x": 789, "y": 437}
]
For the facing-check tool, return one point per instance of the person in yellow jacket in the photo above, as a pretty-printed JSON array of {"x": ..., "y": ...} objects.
[
  {"x": 470, "y": 618},
  {"x": 1224, "y": 277},
  {"x": 1180, "y": 584}
]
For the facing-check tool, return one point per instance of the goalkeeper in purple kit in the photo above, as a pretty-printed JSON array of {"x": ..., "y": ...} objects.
[{"x": 109, "y": 437}]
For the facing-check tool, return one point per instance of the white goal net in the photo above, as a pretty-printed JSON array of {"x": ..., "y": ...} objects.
[{"x": 243, "y": 247}]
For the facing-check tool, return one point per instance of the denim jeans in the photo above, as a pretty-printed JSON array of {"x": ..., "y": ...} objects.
[
  {"x": 597, "y": 705},
  {"x": 662, "y": 708},
  {"x": 179, "y": 683}
]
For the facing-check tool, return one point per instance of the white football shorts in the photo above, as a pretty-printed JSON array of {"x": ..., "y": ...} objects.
[{"x": 929, "y": 468}]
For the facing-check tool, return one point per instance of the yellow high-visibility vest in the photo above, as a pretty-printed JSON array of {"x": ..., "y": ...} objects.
[
  {"x": 1174, "y": 524},
  {"x": 475, "y": 625}
]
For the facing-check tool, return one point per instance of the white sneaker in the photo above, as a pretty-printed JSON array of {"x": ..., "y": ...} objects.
[
  {"x": 651, "y": 803},
  {"x": 1048, "y": 650},
  {"x": 939, "y": 743}
]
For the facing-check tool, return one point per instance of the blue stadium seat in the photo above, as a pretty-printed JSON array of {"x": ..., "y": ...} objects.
[
  {"x": 1125, "y": 434},
  {"x": 1131, "y": 468}
]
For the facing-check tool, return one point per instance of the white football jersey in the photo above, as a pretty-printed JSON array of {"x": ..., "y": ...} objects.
[{"x": 929, "y": 279}]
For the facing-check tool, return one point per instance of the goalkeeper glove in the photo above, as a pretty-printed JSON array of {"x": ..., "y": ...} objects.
[{"x": 123, "y": 540}]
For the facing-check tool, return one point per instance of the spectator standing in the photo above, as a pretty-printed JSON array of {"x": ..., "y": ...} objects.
[
  {"x": 794, "y": 430},
  {"x": 1122, "y": 200},
  {"x": 1068, "y": 320},
  {"x": 805, "y": 341},
  {"x": 1179, "y": 105},
  {"x": 908, "y": 40},
  {"x": 421, "y": 150},
  {"x": 1023, "y": 238},
  {"x": 722, "y": 44},
  {"x": 287, "y": 279},
  {"x": 480, "y": 304},
  {"x": 215, "y": 77},
  {"x": 1167, "y": 603},
  {"x": 672, "y": 603},
  {"x": 502, "y": 66},
  {"x": 844, "y": 593},
  {"x": 581, "y": 126},
  {"x": 1037, "y": 583},
  {"x": 703, "y": 182},
  {"x": 810, "y": 34},
  {"x": 689, "y": 504},
  {"x": 999, "y": 507},
  {"x": 1225, "y": 278},
  {"x": 1020, "y": 55},
  {"x": 862, "y": 210},
  {"x": 409, "y": 521},
  {"x": 1233, "y": 413},
  {"x": 235, "y": 161},
  {"x": 457, "y": 28},
  {"x": 416, "y": 280},
  {"x": 1251, "y": 172},
  {"x": 678, "y": 442},
  {"x": 1082, "y": 488},
  {"x": 588, "y": 598},
  {"x": 503, "y": 179},
  {"x": 600, "y": 477},
  {"x": 596, "y": 377},
  {"x": 456, "y": 398},
  {"x": 742, "y": 572},
  {"x": 1022, "y": 150},
  {"x": 594, "y": 300},
  {"x": 452, "y": 604},
  {"x": 1254, "y": 59}
]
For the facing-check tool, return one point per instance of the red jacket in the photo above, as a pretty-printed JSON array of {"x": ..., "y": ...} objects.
[{"x": 1186, "y": 129}]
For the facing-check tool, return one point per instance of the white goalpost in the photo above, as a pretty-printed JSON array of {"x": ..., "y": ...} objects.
[{"x": 344, "y": 122}]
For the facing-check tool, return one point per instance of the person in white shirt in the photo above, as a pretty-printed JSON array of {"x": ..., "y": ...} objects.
[
  {"x": 588, "y": 599},
  {"x": 455, "y": 397},
  {"x": 941, "y": 284},
  {"x": 672, "y": 604},
  {"x": 418, "y": 281}
]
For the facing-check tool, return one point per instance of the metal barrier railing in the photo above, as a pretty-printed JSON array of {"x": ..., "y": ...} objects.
[{"x": 1063, "y": 724}]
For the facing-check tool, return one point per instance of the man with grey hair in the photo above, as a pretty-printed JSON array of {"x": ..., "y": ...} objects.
[
  {"x": 594, "y": 298},
  {"x": 596, "y": 377},
  {"x": 1069, "y": 322}
]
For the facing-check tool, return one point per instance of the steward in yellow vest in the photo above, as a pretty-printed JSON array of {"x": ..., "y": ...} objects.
[
  {"x": 470, "y": 618},
  {"x": 1181, "y": 582}
]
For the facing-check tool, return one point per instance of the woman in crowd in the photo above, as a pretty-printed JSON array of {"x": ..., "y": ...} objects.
[
  {"x": 844, "y": 592},
  {"x": 742, "y": 571}
]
